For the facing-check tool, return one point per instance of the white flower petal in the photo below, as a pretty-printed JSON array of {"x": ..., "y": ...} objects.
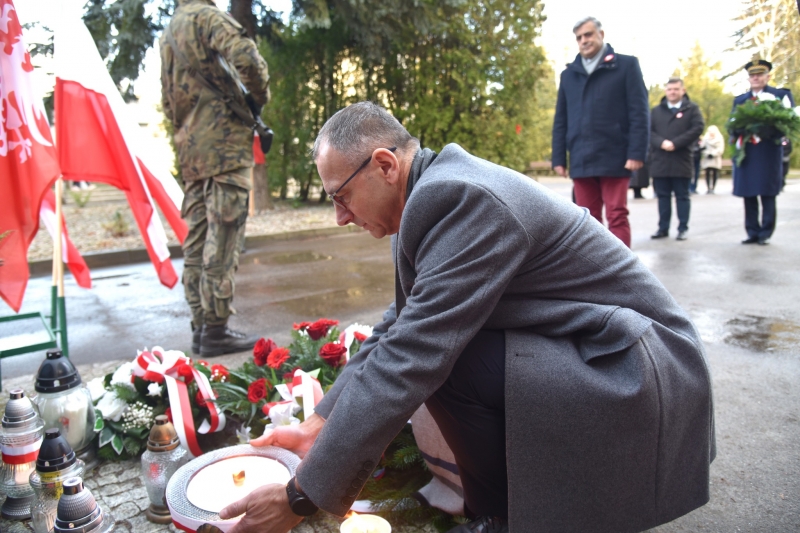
[{"x": 96, "y": 388}]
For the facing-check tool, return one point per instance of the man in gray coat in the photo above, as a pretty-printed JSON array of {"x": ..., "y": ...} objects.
[{"x": 571, "y": 387}]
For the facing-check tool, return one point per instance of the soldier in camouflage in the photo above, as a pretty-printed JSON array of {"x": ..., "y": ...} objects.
[{"x": 215, "y": 156}]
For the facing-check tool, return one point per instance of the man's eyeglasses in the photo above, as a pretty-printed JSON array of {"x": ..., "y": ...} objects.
[{"x": 332, "y": 195}]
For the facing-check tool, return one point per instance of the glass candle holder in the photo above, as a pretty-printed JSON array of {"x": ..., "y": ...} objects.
[
  {"x": 20, "y": 439},
  {"x": 64, "y": 403},
  {"x": 163, "y": 457},
  {"x": 56, "y": 463},
  {"x": 78, "y": 511}
]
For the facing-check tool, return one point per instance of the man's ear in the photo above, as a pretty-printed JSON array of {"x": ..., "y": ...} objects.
[{"x": 388, "y": 165}]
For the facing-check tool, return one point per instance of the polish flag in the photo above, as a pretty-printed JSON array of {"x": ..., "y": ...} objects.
[
  {"x": 28, "y": 163},
  {"x": 69, "y": 253},
  {"x": 99, "y": 140}
]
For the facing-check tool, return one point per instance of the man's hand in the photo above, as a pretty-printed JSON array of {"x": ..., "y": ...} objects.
[
  {"x": 633, "y": 164},
  {"x": 267, "y": 511},
  {"x": 297, "y": 439},
  {"x": 561, "y": 171},
  {"x": 667, "y": 146}
]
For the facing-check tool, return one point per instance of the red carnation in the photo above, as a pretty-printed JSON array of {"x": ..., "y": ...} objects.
[
  {"x": 360, "y": 337},
  {"x": 333, "y": 354},
  {"x": 289, "y": 376},
  {"x": 262, "y": 349},
  {"x": 258, "y": 390},
  {"x": 301, "y": 326},
  {"x": 219, "y": 373},
  {"x": 277, "y": 357},
  {"x": 320, "y": 328},
  {"x": 185, "y": 371}
]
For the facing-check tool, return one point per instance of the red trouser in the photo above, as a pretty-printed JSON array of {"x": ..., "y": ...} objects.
[{"x": 592, "y": 193}]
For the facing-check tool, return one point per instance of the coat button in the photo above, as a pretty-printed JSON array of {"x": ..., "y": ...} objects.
[
  {"x": 351, "y": 493},
  {"x": 347, "y": 502},
  {"x": 367, "y": 465},
  {"x": 363, "y": 474},
  {"x": 356, "y": 484}
]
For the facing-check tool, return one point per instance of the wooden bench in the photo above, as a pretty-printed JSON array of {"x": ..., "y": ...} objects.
[{"x": 540, "y": 168}]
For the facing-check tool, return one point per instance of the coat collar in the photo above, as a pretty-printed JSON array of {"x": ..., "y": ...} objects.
[
  {"x": 609, "y": 60},
  {"x": 684, "y": 102}
]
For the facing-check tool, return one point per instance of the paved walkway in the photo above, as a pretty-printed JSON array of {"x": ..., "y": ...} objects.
[{"x": 743, "y": 299}]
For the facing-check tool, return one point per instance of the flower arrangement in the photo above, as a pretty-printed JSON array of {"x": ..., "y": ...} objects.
[
  {"x": 263, "y": 392},
  {"x": 128, "y": 399},
  {"x": 764, "y": 118}
]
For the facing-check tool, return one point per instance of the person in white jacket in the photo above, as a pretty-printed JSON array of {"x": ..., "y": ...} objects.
[{"x": 712, "y": 147}]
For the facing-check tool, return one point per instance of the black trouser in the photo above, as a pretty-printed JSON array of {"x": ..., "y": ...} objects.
[
  {"x": 469, "y": 408},
  {"x": 664, "y": 188},
  {"x": 762, "y": 231},
  {"x": 711, "y": 178}
]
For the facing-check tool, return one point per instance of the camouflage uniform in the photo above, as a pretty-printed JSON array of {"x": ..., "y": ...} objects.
[{"x": 214, "y": 148}]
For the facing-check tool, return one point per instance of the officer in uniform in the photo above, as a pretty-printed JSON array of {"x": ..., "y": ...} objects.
[
  {"x": 761, "y": 173},
  {"x": 215, "y": 155}
]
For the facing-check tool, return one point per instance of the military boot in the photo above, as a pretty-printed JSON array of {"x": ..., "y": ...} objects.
[
  {"x": 219, "y": 340},
  {"x": 197, "y": 332}
]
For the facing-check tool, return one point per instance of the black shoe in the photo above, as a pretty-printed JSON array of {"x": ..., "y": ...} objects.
[
  {"x": 197, "y": 332},
  {"x": 219, "y": 340},
  {"x": 485, "y": 524},
  {"x": 750, "y": 240},
  {"x": 763, "y": 242},
  {"x": 659, "y": 234},
  {"x": 682, "y": 235}
]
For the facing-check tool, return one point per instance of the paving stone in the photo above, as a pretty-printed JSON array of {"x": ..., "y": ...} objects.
[{"x": 125, "y": 511}]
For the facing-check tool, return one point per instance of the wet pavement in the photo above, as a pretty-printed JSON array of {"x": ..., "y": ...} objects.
[{"x": 744, "y": 299}]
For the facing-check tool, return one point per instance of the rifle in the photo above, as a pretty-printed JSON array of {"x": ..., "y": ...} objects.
[{"x": 250, "y": 116}]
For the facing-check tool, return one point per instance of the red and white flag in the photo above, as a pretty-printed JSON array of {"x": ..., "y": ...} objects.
[
  {"x": 69, "y": 253},
  {"x": 98, "y": 140},
  {"x": 28, "y": 163}
]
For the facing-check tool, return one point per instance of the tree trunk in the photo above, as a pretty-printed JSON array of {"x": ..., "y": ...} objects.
[
  {"x": 262, "y": 199},
  {"x": 242, "y": 11}
]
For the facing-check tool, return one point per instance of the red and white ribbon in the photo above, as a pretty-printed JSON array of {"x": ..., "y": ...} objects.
[
  {"x": 162, "y": 365},
  {"x": 18, "y": 455},
  {"x": 302, "y": 386}
]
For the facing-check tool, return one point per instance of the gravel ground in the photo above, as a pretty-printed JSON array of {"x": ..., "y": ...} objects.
[{"x": 87, "y": 226}]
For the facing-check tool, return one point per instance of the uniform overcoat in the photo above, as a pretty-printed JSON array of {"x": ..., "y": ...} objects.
[
  {"x": 761, "y": 172},
  {"x": 608, "y": 396}
]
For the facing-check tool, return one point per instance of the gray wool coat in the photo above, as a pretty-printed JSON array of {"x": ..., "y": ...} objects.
[{"x": 608, "y": 395}]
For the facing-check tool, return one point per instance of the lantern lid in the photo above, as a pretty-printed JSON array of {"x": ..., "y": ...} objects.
[
  {"x": 19, "y": 410},
  {"x": 56, "y": 373},
  {"x": 163, "y": 436},
  {"x": 77, "y": 510},
  {"x": 55, "y": 454}
]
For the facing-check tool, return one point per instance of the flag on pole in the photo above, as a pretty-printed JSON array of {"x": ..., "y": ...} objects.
[
  {"x": 69, "y": 253},
  {"x": 98, "y": 140},
  {"x": 28, "y": 159}
]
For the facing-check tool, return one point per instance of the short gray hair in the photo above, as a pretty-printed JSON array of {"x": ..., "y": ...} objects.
[
  {"x": 584, "y": 20},
  {"x": 359, "y": 129}
]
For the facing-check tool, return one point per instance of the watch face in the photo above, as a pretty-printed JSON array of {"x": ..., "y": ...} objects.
[{"x": 303, "y": 507}]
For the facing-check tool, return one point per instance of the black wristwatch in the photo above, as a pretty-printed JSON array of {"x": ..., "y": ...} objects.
[{"x": 299, "y": 502}]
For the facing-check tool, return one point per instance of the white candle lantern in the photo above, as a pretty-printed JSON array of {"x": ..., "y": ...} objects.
[
  {"x": 163, "y": 457},
  {"x": 365, "y": 523},
  {"x": 20, "y": 439},
  {"x": 65, "y": 404}
]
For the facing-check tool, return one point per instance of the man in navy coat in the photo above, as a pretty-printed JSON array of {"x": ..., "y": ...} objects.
[
  {"x": 761, "y": 172},
  {"x": 603, "y": 120}
]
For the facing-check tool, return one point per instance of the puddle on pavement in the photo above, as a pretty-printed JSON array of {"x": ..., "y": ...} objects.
[
  {"x": 328, "y": 303},
  {"x": 756, "y": 333},
  {"x": 288, "y": 258}
]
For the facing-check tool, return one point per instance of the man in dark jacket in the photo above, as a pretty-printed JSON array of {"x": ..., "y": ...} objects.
[
  {"x": 602, "y": 119},
  {"x": 675, "y": 125},
  {"x": 761, "y": 172}
]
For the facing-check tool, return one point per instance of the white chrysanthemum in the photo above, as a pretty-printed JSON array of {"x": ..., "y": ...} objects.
[
  {"x": 154, "y": 389},
  {"x": 786, "y": 102},
  {"x": 112, "y": 406},
  {"x": 122, "y": 375},
  {"x": 766, "y": 97},
  {"x": 797, "y": 111},
  {"x": 96, "y": 388}
]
